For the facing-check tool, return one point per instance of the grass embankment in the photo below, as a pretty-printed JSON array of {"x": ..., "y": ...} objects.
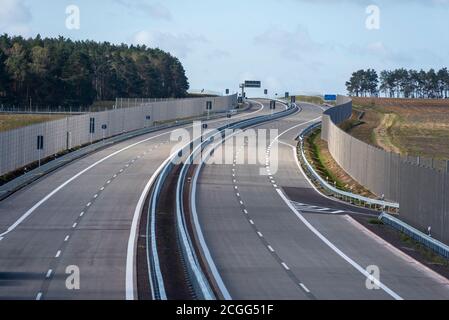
[
  {"x": 310, "y": 99},
  {"x": 427, "y": 253},
  {"x": 417, "y": 127},
  {"x": 14, "y": 121},
  {"x": 318, "y": 154}
]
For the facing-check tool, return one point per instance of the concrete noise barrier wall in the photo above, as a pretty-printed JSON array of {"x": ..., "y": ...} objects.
[
  {"x": 418, "y": 185},
  {"x": 19, "y": 147}
]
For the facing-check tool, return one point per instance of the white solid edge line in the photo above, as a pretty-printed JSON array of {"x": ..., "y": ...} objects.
[
  {"x": 206, "y": 251},
  {"x": 200, "y": 234},
  {"x": 132, "y": 241},
  {"x": 392, "y": 248},
  {"x": 304, "y": 174},
  {"x": 418, "y": 265},
  {"x": 39, "y": 296},
  {"x": 51, "y": 194},
  {"x": 336, "y": 250},
  {"x": 133, "y": 234}
]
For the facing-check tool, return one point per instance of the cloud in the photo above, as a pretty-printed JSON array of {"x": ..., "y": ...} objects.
[
  {"x": 218, "y": 54},
  {"x": 368, "y": 2},
  {"x": 14, "y": 17},
  {"x": 156, "y": 10},
  {"x": 381, "y": 52},
  {"x": 178, "y": 44},
  {"x": 292, "y": 44}
]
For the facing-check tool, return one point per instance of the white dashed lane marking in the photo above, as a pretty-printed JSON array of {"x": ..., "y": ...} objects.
[
  {"x": 75, "y": 224},
  {"x": 260, "y": 234},
  {"x": 304, "y": 287},
  {"x": 285, "y": 266}
]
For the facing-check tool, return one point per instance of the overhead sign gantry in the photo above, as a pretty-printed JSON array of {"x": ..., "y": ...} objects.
[{"x": 250, "y": 84}]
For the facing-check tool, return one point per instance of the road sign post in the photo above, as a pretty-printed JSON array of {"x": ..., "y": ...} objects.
[
  {"x": 104, "y": 127},
  {"x": 242, "y": 86},
  {"x": 91, "y": 128},
  {"x": 40, "y": 147},
  {"x": 272, "y": 106},
  {"x": 208, "y": 108}
]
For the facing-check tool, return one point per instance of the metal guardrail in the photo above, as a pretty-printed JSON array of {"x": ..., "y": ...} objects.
[
  {"x": 196, "y": 275},
  {"x": 435, "y": 245},
  {"x": 21, "y": 181},
  {"x": 155, "y": 273},
  {"x": 385, "y": 205}
]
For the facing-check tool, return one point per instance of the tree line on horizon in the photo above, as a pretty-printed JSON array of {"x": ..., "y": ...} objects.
[
  {"x": 400, "y": 83},
  {"x": 61, "y": 72}
]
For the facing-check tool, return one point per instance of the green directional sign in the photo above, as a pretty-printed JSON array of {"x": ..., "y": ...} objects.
[{"x": 253, "y": 84}]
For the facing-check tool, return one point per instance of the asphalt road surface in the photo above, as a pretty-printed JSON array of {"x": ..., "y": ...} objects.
[
  {"x": 81, "y": 215},
  {"x": 272, "y": 236}
]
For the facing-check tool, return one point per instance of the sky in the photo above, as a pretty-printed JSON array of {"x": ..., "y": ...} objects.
[{"x": 299, "y": 46}]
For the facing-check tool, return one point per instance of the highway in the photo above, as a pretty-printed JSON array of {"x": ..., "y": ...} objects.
[
  {"x": 270, "y": 235},
  {"x": 274, "y": 237},
  {"x": 82, "y": 215}
]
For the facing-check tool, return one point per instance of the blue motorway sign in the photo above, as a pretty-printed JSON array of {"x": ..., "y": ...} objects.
[{"x": 330, "y": 97}]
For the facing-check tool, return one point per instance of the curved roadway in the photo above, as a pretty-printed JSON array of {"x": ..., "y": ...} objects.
[
  {"x": 82, "y": 215},
  {"x": 274, "y": 237}
]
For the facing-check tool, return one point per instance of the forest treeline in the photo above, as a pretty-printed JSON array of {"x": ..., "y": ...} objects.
[
  {"x": 400, "y": 83},
  {"x": 61, "y": 72}
]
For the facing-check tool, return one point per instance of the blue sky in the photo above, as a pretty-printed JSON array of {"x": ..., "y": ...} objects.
[{"x": 301, "y": 46}]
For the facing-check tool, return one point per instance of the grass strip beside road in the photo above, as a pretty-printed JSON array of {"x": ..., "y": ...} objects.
[
  {"x": 310, "y": 99},
  {"x": 320, "y": 158},
  {"x": 14, "y": 121}
]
